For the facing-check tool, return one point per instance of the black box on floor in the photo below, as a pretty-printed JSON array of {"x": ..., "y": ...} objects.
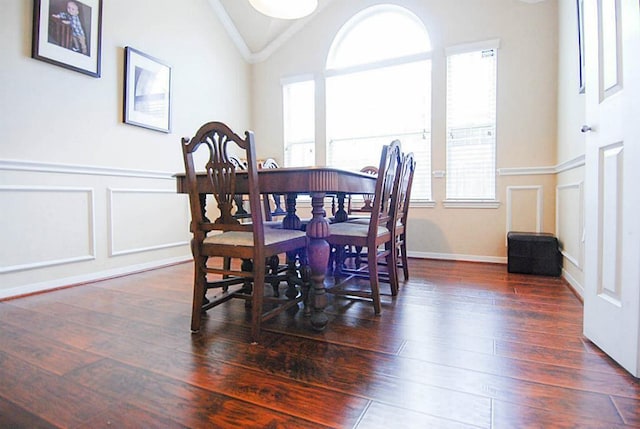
[{"x": 533, "y": 253}]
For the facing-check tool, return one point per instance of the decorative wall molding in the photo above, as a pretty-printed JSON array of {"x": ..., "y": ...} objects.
[
  {"x": 91, "y": 245},
  {"x": 539, "y": 208},
  {"x": 532, "y": 171},
  {"x": 576, "y": 260},
  {"x": 47, "y": 167},
  {"x": 570, "y": 164},
  {"x": 111, "y": 224}
]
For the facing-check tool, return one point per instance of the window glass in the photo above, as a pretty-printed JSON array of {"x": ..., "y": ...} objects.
[
  {"x": 299, "y": 123},
  {"x": 388, "y": 98},
  {"x": 376, "y": 34},
  {"x": 471, "y": 125}
]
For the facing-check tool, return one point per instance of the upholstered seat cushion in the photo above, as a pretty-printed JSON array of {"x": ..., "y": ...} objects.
[
  {"x": 354, "y": 229},
  {"x": 245, "y": 238},
  {"x": 360, "y": 220}
]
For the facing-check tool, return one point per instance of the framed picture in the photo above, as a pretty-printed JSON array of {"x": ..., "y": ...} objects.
[
  {"x": 147, "y": 91},
  {"x": 68, "y": 33},
  {"x": 581, "y": 62}
]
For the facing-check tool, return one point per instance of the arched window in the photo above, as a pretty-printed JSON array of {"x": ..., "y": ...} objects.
[{"x": 378, "y": 89}]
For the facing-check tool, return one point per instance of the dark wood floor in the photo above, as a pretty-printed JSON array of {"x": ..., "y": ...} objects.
[{"x": 463, "y": 345}]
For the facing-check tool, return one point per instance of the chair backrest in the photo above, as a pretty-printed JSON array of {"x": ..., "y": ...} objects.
[
  {"x": 367, "y": 206},
  {"x": 270, "y": 163},
  {"x": 219, "y": 145},
  {"x": 277, "y": 198},
  {"x": 402, "y": 192},
  {"x": 241, "y": 212},
  {"x": 382, "y": 214}
]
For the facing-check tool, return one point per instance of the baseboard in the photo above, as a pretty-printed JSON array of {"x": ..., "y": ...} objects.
[
  {"x": 458, "y": 257},
  {"x": 575, "y": 286},
  {"x": 91, "y": 277}
]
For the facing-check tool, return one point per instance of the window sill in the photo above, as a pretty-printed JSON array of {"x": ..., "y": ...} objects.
[
  {"x": 422, "y": 203},
  {"x": 471, "y": 204}
]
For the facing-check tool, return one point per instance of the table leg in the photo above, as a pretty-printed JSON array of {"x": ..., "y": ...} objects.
[
  {"x": 291, "y": 220},
  {"x": 318, "y": 255},
  {"x": 341, "y": 214}
]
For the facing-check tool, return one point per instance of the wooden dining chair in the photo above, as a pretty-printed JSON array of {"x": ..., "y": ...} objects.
[
  {"x": 401, "y": 198},
  {"x": 376, "y": 235},
  {"x": 367, "y": 199},
  {"x": 401, "y": 211},
  {"x": 277, "y": 198},
  {"x": 215, "y": 242}
]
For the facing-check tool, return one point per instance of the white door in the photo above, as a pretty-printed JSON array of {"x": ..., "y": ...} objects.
[{"x": 612, "y": 179}]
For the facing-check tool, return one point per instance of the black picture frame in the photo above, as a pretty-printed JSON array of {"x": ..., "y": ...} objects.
[
  {"x": 147, "y": 91},
  {"x": 581, "y": 59},
  {"x": 68, "y": 33}
]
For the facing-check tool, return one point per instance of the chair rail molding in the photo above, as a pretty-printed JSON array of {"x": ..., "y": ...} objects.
[
  {"x": 48, "y": 167},
  {"x": 567, "y": 165}
]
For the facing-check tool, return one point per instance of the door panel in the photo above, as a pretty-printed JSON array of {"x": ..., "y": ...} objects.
[
  {"x": 612, "y": 177},
  {"x": 610, "y": 223}
]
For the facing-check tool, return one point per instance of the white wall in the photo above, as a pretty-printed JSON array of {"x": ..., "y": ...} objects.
[
  {"x": 527, "y": 113},
  {"x": 82, "y": 195},
  {"x": 571, "y": 147}
]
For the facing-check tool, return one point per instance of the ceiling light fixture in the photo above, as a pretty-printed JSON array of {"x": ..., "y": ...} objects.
[{"x": 285, "y": 9}]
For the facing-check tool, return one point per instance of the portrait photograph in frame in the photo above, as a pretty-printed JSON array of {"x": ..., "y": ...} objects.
[
  {"x": 147, "y": 91},
  {"x": 68, "y": 33}
]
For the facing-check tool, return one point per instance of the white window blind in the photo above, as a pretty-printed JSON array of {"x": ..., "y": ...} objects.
[
  {"x": 368, "y": 109},
  {"x": 471, "y": 125},
  {"x": 299, "y": 123}
]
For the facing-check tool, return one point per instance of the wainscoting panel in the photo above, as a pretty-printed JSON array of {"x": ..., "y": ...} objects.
[
  {"x": 146, "y": 219},
  {"x": 43, "y": 226},
  {"x": 524, "y": 208},
  {"x": 570, "y": 226}
]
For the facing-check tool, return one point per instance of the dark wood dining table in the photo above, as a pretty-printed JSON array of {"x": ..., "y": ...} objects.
[{"x": 316, "y": 182}]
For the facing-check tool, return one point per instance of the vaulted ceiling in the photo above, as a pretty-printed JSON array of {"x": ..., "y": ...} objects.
[{"x": 256, "y": 35}]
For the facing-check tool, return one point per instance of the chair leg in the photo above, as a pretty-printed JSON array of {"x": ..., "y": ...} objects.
[
  {"x": 274, "y": 264},
  {"x": 392, "y": 268},
  {"x": 358, "y": 257},
  {"x": 373, "y": 278},
  {"x": 256, "y": 299},
  {"x": 199, "y": 290},
  {"x": 403, "y": 254}
]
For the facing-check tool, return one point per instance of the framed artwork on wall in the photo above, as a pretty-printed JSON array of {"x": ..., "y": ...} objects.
[
  {"x": 147, "y": 91},
  {"x": 68, "y": 33},
  {"x": 581, "y": 62}
]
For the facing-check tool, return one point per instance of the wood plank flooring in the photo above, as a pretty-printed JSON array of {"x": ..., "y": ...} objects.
[{"x": 464, "y": 345}]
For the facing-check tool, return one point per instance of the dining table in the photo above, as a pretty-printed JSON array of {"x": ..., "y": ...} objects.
[{"x": 316, "y": 182}]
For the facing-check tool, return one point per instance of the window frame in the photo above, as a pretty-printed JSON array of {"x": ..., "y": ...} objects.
[
  {"x": 330, "y": 72},
  {"x": 474, "y": 203}
]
